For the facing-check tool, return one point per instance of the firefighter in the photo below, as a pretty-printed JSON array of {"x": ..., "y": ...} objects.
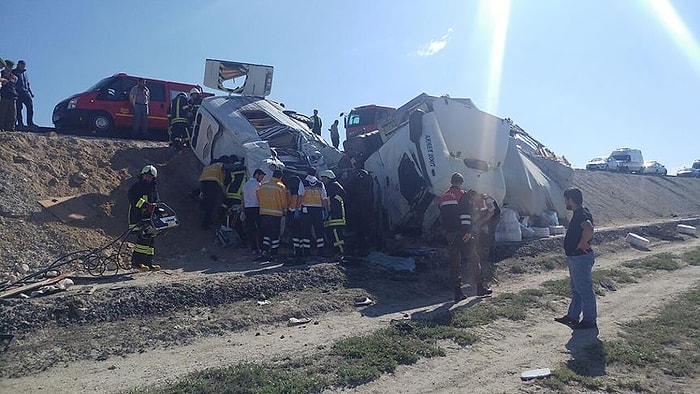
[
  {"x": 179, "y": 122},
  {"x": 273, "y": 197},
  {"x": 194, "y": 103},
  {"x": 211, "y": 183},
  {"x": 335, "y": 206},
  {"x": 312, "y": 195},
  {"x": 455, "y": 216},
  {"x": 143, "y": 195},
  {"x": 234, "y": 179}
]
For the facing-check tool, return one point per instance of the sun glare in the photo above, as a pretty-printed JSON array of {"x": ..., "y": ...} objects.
[
  {"x": 496, "y": 13},
  {"x": 678, "y": 30}
]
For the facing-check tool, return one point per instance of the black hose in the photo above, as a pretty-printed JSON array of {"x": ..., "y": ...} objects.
[{"x": 93, "y": 260}]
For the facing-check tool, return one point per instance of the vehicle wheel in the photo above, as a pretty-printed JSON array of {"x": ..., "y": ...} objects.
[
  {"x": 102, "y": 123},
  {"x": 664, "y": 173}
]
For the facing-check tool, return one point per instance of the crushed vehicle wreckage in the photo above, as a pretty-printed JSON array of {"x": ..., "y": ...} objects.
[{"x": 409, "y": 159}]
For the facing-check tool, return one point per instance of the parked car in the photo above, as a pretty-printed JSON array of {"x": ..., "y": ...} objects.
[
  {"x": 105, "y": 106},
  {"x": 688, "y": 172},
  {"x": 654, "y": 168},
  {"x": 602, "y": 163},
  {"x": 628, "y": 160}
]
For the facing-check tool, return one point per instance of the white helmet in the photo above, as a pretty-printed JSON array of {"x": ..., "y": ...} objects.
[
  {"x": 151, "y": 170},
  {"x": 327, "y": 173},
  {"x": 195, "y": 91}
]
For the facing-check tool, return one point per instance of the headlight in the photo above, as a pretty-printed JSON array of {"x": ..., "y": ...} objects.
[{"x": 72, "y": 103}]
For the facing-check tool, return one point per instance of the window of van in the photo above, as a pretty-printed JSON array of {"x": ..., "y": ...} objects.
[
  {"x": 623, "y": 158},
  {"x": 117, "y": 90},
  {"x": 157, "y": 90},
  {"x": 174, "y": 93}
]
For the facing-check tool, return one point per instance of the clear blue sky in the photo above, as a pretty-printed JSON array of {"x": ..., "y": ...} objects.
[{"x": 583, "y": 77}]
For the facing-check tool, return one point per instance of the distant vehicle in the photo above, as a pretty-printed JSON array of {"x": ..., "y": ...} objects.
[
  {"x": 105, "y": 106},
  {"x": 688, "y": 172},
  {"x": 654, "y": 168},
  {"x": 628, "y": 160},
  {"x": 365, "y": 119},
  {"x": 696, "y": 165},
  {"x": 602, "y": 163}
]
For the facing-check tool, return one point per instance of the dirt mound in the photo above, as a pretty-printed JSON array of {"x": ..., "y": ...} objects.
[{"x": 36, "y": 167}]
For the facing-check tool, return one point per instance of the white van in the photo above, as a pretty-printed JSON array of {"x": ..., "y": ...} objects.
[{"x": 628, "y": 160}]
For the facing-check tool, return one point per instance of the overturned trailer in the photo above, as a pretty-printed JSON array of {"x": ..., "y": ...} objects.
[
  {"x": 429, "y": 138},
  {"x": 246, "y": 124}
]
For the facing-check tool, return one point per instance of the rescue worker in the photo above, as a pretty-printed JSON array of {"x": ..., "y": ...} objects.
[
  {"x": 179, "y": 122},
  {"x": 273, "y": 197},
  {"x": 335, "y": 206},
  {"x": 294, "y": 218},
  {"x": 211, "y": 183},
  {"x": 487, "y": 213},
  {"x": 194, "y": 103},
  {"x": 455, "y": 216},
  {"x": 312, "y": 194},
  {"x": 143, "y": 195},
  {"x": 234, "y": 179}
]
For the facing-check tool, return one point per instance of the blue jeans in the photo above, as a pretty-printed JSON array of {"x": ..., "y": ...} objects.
[
  {"x": 582, "y": 295},
  {"x": 140, "y": 118}
]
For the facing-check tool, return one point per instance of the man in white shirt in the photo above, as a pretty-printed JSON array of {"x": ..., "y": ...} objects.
[{"x": 251, "y": 209}]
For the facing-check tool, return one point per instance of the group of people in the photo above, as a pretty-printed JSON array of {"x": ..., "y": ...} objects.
[
  {"x": 181, "y": 113},
  {"x": 312, "y": 209},
  {"x": 260, "y": 208},
  {"x": 469, "y": 220},
  {"x": 15, "y": 93},
  {"x": 316, "y": 125}
]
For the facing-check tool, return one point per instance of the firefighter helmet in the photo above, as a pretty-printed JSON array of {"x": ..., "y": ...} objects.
[
  {"x": 151, "y": 170},
  {"x": 195, "y": 91}
]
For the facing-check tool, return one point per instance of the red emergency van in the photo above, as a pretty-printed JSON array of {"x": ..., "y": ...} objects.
[{"x": 105, "y": 106}]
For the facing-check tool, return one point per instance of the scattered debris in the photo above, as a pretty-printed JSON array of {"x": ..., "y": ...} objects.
[
  {"x": 685, "y": 229},
  {"x": 293, "y": 321},
  {"x": 31, "y": 286},
  {"x": 363, "y": 301},
  {"x": 87, "y": 290},
  {"x": 263, "y": 302},
  {"x": 535, "y": 374},
  {"x": 392, "y": 262},
  {"x": 637, "y": 240}
]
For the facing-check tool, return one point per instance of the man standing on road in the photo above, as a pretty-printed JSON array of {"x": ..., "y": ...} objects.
[
  {"x": 24, "y": 95},
  {"x": 580, "y": 259},
  {"x": 455, "y": 216},
  {"x": 139, "y": 97}
]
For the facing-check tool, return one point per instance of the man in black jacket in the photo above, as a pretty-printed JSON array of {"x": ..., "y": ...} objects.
[{"x": 143, "y": 195}]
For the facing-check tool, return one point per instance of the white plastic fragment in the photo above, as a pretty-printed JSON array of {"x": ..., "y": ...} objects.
[
  {"x": 535, "y": 373},
  {"x": 637, "y": 240},
  {"x": 65, "y": 283},
  {"x": 685, "y": 229}
]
